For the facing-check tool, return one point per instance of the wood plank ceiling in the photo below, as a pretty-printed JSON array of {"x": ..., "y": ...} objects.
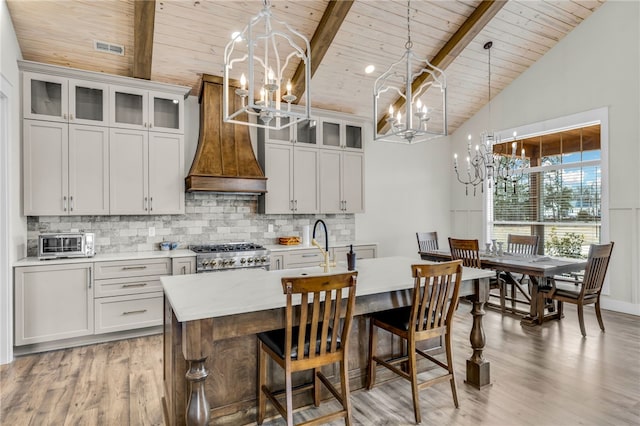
[{"x": 189, "y": 39}]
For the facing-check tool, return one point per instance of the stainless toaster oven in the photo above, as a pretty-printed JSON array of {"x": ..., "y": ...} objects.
[{"x": 65, "y": 244}]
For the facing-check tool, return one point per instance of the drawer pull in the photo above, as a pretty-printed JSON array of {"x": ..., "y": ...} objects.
[
  {"x": 125, "y": 268},
  {"x": 141, "y": 311},
  {"x": 310, "y": 255},
  {"x": 134, "y": 285}
]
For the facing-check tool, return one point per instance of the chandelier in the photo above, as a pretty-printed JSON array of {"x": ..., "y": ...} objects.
[
  {"x": 263, "y": 55},
  {"x": 414, "y": 121},
  {"x": 485, "y": 165}
]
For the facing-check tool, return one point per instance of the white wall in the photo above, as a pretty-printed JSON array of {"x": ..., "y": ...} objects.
[
  {"x": 9, "y": 53},
  {"x": 405, "y": 192},
  {"x": 597, "y": 65}
]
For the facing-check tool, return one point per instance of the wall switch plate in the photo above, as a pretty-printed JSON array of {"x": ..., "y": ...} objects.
[
  {"x": 152, "y": 231},
  {"x": 270, "y": 227}
]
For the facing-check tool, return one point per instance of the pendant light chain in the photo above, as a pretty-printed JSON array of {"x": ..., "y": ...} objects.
[
  {"x": 488, "y": 46},
  {"x": 409, "y": 43}
]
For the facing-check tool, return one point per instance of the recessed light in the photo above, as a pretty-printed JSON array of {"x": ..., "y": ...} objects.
[
  {"x": 369, "y": 69},
  {"x": 236, "y": 36}
]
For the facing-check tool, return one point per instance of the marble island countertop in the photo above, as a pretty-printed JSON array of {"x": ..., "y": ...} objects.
[{"x": 218, "y": 294}]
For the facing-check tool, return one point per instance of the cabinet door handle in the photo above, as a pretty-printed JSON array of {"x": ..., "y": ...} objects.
[
  {"x": 140, "y": 311},
  {"x": 70, "y": 116},
  {"x": 291, "y": 205},
  {"x": 145, "y": 124},
  {"x": 89, "y": 283},
  {"x": 71, "y": 203},
  {"x": 64, "y": 116},
  {"x": 126, "y": 268},
  {"x": 146, "y": 202},
  {"x": 134, "y": 285},
  {"x": 295, "y": 205},
  {"x": 151, "y": 204},
  {"x": 184, "y": 270},
  {"x": 64, "y": 203},
  {"x": 278, "y": 264},
  {"x": 150, "y": 125}
]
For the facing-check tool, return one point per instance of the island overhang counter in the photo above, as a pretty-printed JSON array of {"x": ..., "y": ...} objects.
[{"x": 211, "y": 322}]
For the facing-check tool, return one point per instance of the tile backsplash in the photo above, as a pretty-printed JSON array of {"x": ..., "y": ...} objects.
[{"x": 208, "y": 218}]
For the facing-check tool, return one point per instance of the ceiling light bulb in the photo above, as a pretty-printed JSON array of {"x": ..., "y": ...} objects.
[
  {"x": 289, "y": 87},
  {"x": 243, "y": 81},
  {"x": 418, "y": 104},
  {"x": 235, "y": 36},
  {"x": 399, "y": 117},
  {"x": 369, "y": 69},
  {"x": 390, "y": 110}
]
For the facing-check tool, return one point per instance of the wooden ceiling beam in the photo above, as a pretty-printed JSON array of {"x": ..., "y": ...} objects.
[
  {"x": 144, "y": 16},
  {"x": 331, "y": 20},
  {"x": 478, "y": 19}
]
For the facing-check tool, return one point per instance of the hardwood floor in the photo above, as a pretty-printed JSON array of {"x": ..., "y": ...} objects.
[{"x": 541, "y": 376}]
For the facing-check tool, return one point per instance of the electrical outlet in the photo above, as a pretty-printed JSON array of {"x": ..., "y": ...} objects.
[
  {"x": 270, "y": 227},
  {"x": 152, "y": 231}
]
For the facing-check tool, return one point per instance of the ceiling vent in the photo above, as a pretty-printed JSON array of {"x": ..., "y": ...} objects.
[{"x": 103, "y": 46}]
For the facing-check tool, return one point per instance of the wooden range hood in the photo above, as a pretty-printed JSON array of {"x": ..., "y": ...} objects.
[{"x": 224, "y": 160}]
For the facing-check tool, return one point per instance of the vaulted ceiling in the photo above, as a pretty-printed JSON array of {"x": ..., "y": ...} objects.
[{"x": 176, "y": 41}]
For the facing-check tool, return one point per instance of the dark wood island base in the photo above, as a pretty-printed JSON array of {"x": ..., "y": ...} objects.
[{"x": 210, "y": 365}]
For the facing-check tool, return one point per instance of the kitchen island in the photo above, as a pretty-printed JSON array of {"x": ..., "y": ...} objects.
[{"x": 211, "y": 321}]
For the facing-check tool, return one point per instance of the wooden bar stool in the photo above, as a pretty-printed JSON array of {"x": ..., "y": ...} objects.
[
  {"x": 434, "y": 301},
  {"x": 314, "y": 336}
]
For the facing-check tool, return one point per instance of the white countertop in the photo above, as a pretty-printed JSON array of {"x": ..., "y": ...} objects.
[
  {"x": 217, "y": 294},
  {"x": 274, "y": 248},
  {"x": 106, "y": 257}
]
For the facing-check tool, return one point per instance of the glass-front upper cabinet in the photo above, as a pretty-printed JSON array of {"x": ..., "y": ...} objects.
[
  {"x": 166, "y": 112},
  {"x": 54, "y": 98},
  {"x": 133, "y": 108},
  {"x": 341, "y": 134},
  {"x": 353, "y": 136},
  {"x": 306, "y": 132},
  {"x": 303, "y": 132}
]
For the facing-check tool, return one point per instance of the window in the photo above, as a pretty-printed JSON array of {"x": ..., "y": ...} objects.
[{"x": 558, "y": 197}]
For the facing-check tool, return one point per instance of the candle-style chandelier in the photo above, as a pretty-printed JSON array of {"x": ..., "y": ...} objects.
[
  {"x": 486, "y": 165},
  {"x": 410, "y": 81},
  {"x": 266, "y": 50}
]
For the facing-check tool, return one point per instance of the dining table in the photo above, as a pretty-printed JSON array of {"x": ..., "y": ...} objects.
[{"x": 539, "y": 268}]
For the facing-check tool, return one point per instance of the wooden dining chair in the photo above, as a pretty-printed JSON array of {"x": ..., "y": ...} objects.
[
  {"x": 586, "y": 292},
  {"x": 427, "y": 241},
  {"x": 434, "y": 301},
  {"x": 466, "y": 250},
  {"x": 314, "y": 336},
  {"x": 469, "y": 252},
  {"x": 518, "y": 245}
]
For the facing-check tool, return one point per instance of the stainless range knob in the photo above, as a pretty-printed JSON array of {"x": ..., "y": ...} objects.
[
  {"x": 250, "y": 260},
  {"x": 231, "y": 262},
  {"x": 243, "y": 261},
  {"x": 263, "y": 259},
  {"x": 212, "y": 263}
]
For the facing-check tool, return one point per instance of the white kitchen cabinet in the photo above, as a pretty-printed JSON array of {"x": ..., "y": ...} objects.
[
  {"x": 364, "y": 251},
  {"x": 293, "y": 173},
  {"x": 305, "y": 257},
  {"x": 136, "y": 108},
  {"x": 147, "y": 172},
  {"x": 183, "y": 265},
  {"x": 53, "y": 302},
  {"x": 276, "y": 262},
  {"x": 66, "y": 169},
  {"x": 341, "y": 181},
  {"x": 66, "y": 100},
  {"x": 129, "y": 294}
]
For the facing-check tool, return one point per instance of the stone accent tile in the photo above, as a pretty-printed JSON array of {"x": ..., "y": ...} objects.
[{"x": 208, "y": 218}]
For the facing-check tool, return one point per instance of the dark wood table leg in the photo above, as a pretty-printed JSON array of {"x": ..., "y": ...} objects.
[
  {"x": 532, "y": 318},
  {"x": 478, "y": 368}
]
